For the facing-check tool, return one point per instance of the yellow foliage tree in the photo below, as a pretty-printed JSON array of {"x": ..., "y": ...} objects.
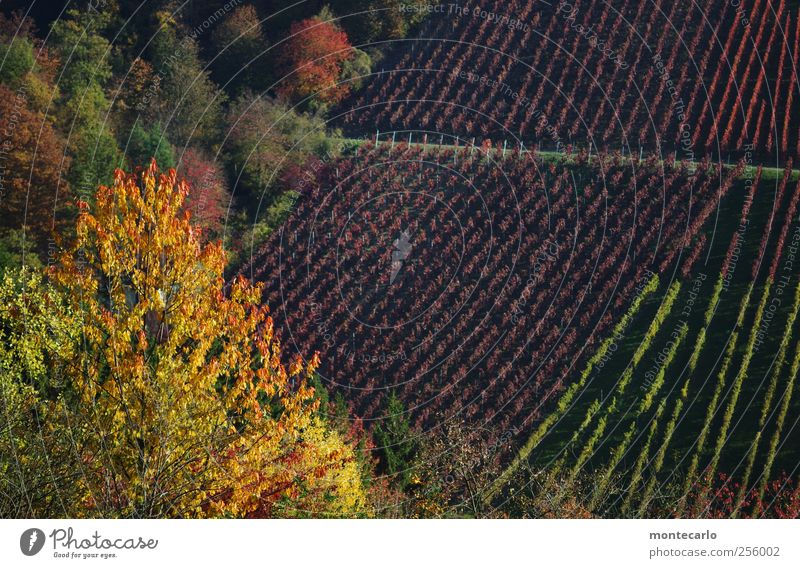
[
  {"x": 182, "y": 406},
  {"x": 37, "y": 339}
]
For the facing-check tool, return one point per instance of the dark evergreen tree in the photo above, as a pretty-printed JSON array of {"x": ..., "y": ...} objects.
[{"x": 395, "y": 443}]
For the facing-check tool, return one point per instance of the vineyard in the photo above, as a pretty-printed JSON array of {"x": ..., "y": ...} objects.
[
  {"x": 670, "y": 420},
  {"x": 717, "y": 78},
  {"x": 570, "y": 246},
  {"x": 473, "y": 284}
]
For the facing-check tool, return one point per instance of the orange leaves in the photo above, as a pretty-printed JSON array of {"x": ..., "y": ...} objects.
[
  {"x": 314, "y": 54},
  {"x": 33, "y": 162},
  {"x": 296, "y": 366}
]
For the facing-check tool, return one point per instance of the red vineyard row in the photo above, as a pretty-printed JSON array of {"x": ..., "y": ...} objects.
[{"x": 711, "y": 78}]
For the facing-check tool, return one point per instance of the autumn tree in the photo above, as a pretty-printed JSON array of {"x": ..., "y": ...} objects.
[
  {"x": 38, "y": 337},
  {"x": 456, "y": 463},
  {"x": 179, "y": 398},
  {"x": 313, "y": 57},
  {"x": 32, "y": 190},
  {"x": 188, "y": 104},
  {"x": 33, "y": 168},
  {"x": 265, "y": 139},
  {"x": 132, "y": 93},
  {"x": 208, "y": 199},
  {"x": 239, "y": 50}
]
